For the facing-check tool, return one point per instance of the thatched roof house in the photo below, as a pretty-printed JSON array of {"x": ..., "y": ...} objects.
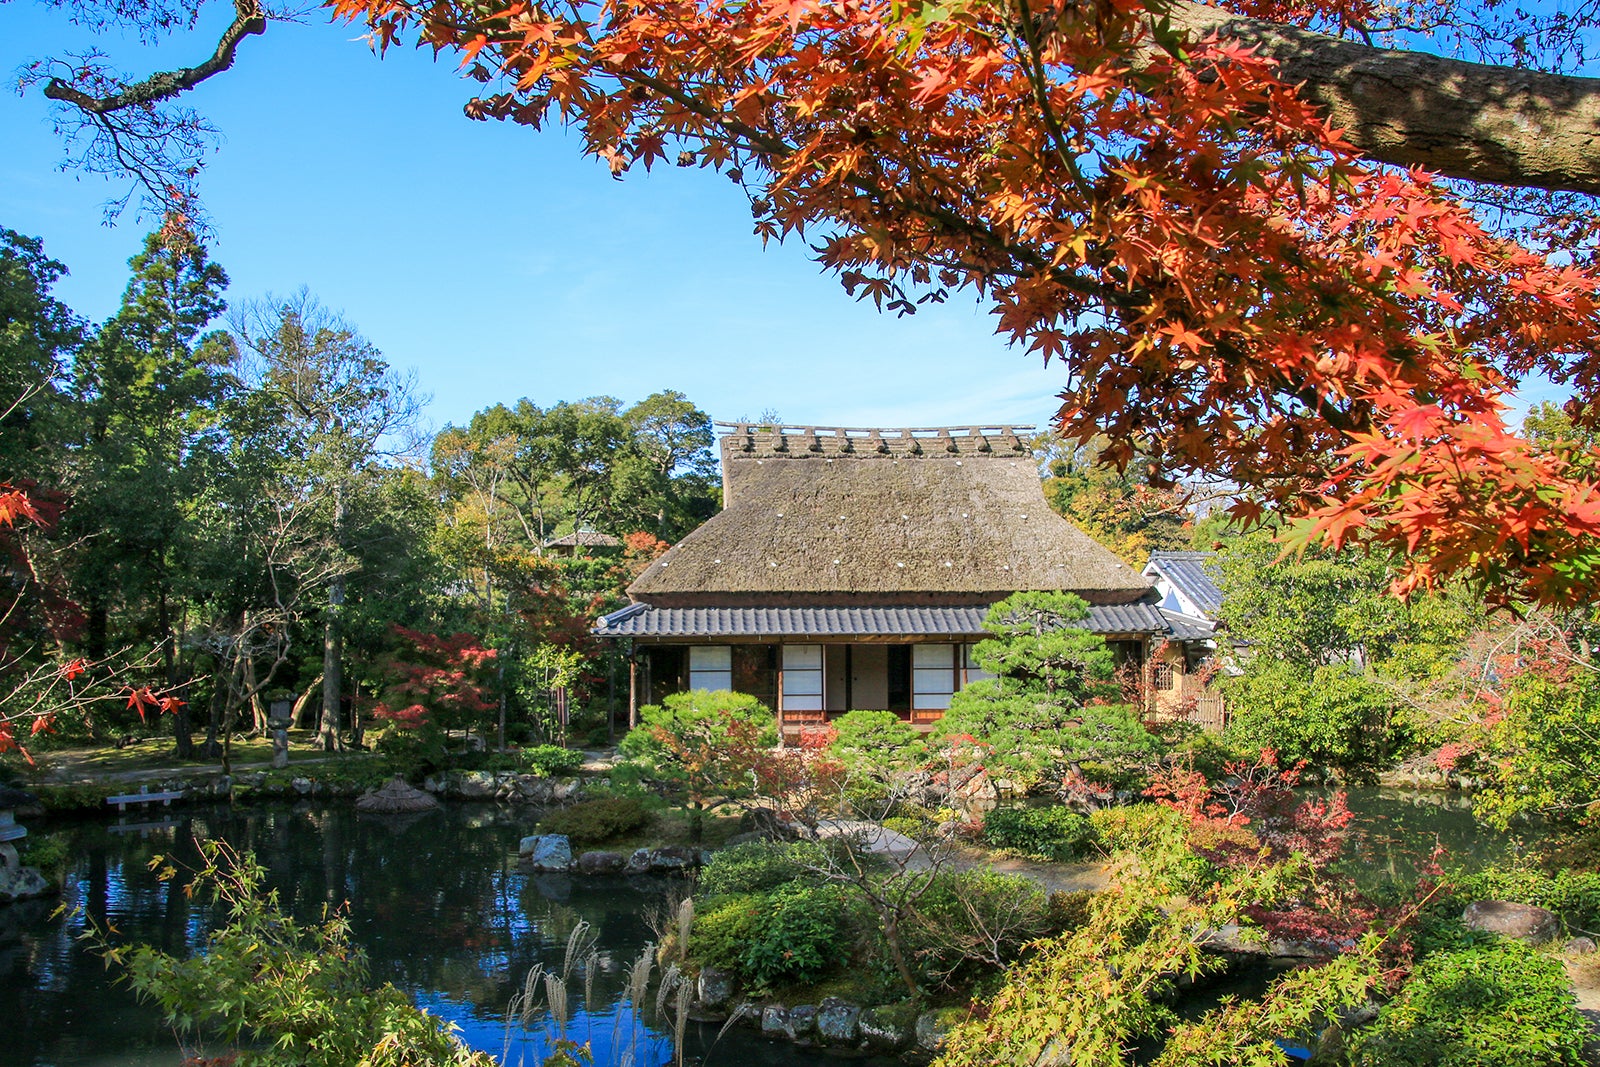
[
  {"x": 851, "y": 568},
  {"x": 576, "y": 542}
]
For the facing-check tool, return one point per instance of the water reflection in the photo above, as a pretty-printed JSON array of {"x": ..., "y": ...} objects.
[
  {"x": 437, "y": 903},
  {"x": 1394, "y": 833}
]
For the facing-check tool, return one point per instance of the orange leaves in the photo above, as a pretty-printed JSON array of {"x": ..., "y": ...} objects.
[
  {"x": 1217, "y": 276},
  {"x": 15, "y": 504},
  {"x": 144, "y": 699}
]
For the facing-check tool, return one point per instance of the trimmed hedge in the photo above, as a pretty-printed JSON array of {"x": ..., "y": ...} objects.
[
  {"x": 1044, "y": 833},
  {"x": 595, "y": 821}
]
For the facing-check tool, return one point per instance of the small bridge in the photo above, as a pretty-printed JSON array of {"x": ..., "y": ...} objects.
[{"x": 144, "y": 796}]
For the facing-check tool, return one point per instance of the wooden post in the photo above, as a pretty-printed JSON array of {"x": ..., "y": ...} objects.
[{"x": 633, "y": 691}]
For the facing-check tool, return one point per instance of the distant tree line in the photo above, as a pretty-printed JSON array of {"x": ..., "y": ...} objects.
[{"x": 211, "y": 508}]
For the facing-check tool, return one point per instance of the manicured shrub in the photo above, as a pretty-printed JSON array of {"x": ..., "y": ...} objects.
[
  {"x": 758, "y": 866},
  {"x": 595, "y": 821},
  {"x": 1495, "y": 1004},
  {"x": 799, "y": 936},
  {"x": 875, "y": 742},
  {"x": 723, "y": 928},
  {"x": 552, "y": 760},
  {"x": 1067, "y": 910},
  {"x": 1046, "y": 833},
  {"x": 413, "y": 752}
]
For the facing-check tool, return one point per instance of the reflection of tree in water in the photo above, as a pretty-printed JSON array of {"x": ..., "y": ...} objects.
[{"x": 439, "y": 905}]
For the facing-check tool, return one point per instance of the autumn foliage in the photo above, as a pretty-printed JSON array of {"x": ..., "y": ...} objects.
[
  {"x": 439, "y": 681},
  {"x": 37, "y": 611},
  {"x": 1226, "y": 286}
]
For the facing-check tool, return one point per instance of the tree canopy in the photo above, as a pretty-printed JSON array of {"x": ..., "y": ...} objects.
[{"x": 1199, "y": 212}]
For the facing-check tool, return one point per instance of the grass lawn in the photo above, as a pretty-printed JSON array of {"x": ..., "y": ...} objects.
[{"x": 155, "y": 754}]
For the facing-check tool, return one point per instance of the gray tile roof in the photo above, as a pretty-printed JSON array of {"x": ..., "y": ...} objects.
[
  {"x": 1187, "y": 571},
  {"x": 1188, "y": 628},
  {"x": 643, "y": 620}
]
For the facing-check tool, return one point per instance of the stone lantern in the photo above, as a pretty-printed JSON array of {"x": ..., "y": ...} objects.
[
  {"x": 280, "y": 714},
  {"x": 16, "y": 881}
]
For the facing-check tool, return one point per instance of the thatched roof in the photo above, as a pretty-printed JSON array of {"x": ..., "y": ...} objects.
[
  {"x": 837, "y": 514},
  {"x": 396, "y": 797},
  {"x": 583, "y": 539}
]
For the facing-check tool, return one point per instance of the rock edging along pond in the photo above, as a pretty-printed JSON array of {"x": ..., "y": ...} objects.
[
  {"x": 507, "y": 787},
  {"x": 552, "y": 853},
  {"x": 832, "y": 1023}
]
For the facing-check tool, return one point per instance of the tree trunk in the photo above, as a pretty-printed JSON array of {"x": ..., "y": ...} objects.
[
  {"x": 304, "y": 699},
  {"x": 96, "y": 628},
  {"x": 210, "y": 748},
  {"x": 332, "y": 673},
  {"x": 258, "y": 715},
  {"x": 358, "y": 729},
  {"x": 897, "y": 952},
  {"x": 500, "y": 723},
  {"x": 1506, "y": 125}
]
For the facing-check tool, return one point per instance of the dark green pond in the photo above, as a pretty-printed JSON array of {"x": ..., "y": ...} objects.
[
  {"x": 1395, "y": 831},
  {"x": 443, "y": 912},
  {"x": 436, "y": 900}
]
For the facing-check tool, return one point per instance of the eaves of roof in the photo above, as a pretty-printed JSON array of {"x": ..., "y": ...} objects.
[{"x": 644, "y": 620}]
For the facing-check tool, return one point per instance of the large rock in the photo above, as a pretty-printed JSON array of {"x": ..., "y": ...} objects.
[
  {"x": 775, "y": 1021},
  {"x": 601, "y": 863},
  {"x": 839, "y": 1022},
  {"x": 477, "y": 785},
  {"x": 1523, "y": 922},
  {"x": 639, "y": 861},
  {"x": 883, "y": 1029},
  {"x": 714, "y": 987},
  {"x": 547, "y": 852},
  {"x": 1234, "y": 939},
  {"x": 932, "y": 1028},
  {"x": 531, "y": 789},
  {"x": 802, "y": 1020},
  {"x": 21, "y": 883},
  {"x": 673, "y": 858}
]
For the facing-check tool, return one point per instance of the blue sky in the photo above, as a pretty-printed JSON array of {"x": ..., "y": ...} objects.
[{"x": 496, "y": 261}]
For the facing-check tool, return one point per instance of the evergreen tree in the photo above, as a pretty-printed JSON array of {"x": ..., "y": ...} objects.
[{"x": 147, "y": 386}]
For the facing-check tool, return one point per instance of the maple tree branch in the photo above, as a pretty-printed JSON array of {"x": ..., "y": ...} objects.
[
  {"x": 1475, "y": 121},
  {"x": 248, "y": 20}
]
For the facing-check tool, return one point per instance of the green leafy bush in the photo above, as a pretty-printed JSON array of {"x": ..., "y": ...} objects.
[
  {"x": 875, "y": 742},
  {"x": 552, "y": 760},
  {"x": 1047, "y": 833},
  {"x": 413, "y": 752},
  {"x": 47, "y": 854},
  {"x": 723, "y": 929},
  {"x": 1067, "y": 910},
  {"x": 594, "y": 821},
  {"x": 758, "y": 866},
  {"x": 799, "y": 936},
  {"x": 1498, "y": 1004}
]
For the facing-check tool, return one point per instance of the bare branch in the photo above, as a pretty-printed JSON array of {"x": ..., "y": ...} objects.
[{"x": 248, "y": 21}]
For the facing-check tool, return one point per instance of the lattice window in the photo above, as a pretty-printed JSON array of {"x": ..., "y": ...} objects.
[{"x": 1161, "y": 675}]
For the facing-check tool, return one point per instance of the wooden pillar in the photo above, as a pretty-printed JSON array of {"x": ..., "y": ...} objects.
[{"x": 633, "y": 690}]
